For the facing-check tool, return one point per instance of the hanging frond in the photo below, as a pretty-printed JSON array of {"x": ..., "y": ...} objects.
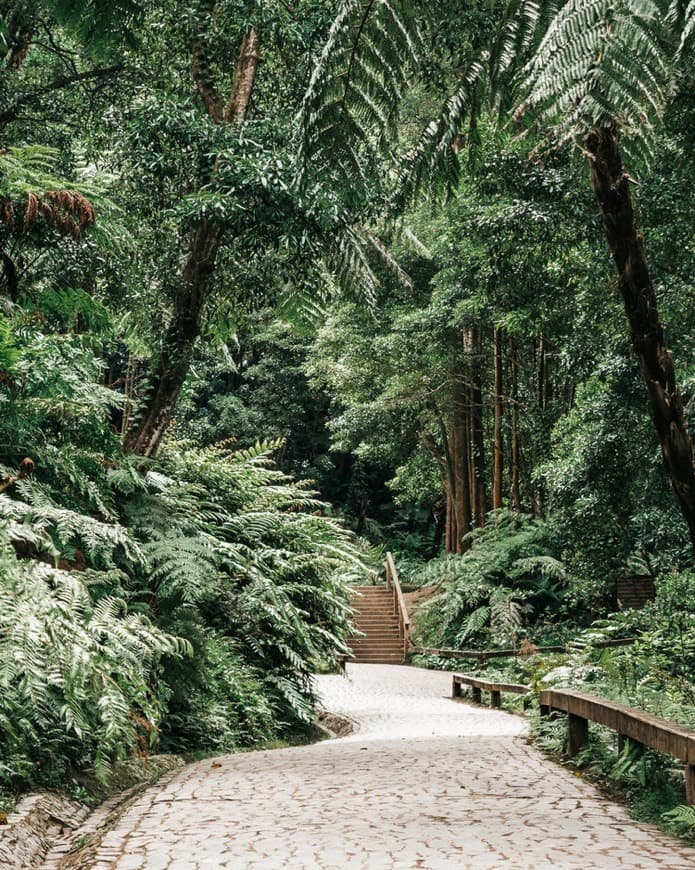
[
  {"x": 99, "y": 25},
  {"x": 351, "y": 106},
  {"x": 602, "y": 63},
  {"x": 431, "y": 166}
]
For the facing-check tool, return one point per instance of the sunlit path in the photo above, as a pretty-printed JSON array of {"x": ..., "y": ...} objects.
[{"x": 424, "y": 782}]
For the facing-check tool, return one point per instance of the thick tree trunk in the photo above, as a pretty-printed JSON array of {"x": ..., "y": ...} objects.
[
  {"x": 515, "y": 443},
  {"x": 498, "y": 447},
  {"x": 197, "y": 275},
  {"x": 612, "y": 188},
  {"x": 179, "y": 341}
]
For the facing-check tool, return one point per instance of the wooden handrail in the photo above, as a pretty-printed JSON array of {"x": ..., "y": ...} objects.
[
  {"x": 482, "y": 655},
  {"x": 643, "y": 728},
  {"x": 399, "y": 608},
  {"x": 477, "y": 685}
]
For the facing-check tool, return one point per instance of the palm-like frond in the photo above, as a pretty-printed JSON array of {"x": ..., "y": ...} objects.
[
  {"x": 431, "y": 166},
  {"x": 602, "y": 63},
  {"x": 71, "y": 667},
  {"x": 352, "y": 103}
]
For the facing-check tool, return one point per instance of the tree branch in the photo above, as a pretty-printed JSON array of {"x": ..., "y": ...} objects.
[
  {"x": 12, "y": 112},
  {"x": 244, "y": 77}
]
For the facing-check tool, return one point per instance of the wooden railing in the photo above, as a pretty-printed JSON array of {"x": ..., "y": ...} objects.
[
  {"x": 477, "y": 686},
  {"x": 399, "y": 608},
  {"x": 630, "y": 724},
  {"x": 481, "y": 656},
  {"x": 641, "y": 728}
]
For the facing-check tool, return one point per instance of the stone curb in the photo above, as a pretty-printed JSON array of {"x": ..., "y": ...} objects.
[
  {"x": 38, "y": 819},
  {"x": 47, "y": 826},
  {"x": 75, "y": 849}
]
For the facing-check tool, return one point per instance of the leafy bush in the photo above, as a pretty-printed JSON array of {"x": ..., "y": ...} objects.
[
  {"x": 210, "y": 551},
  {"x": 507, "y": 581},
  {"x": 75, "y": 673}
]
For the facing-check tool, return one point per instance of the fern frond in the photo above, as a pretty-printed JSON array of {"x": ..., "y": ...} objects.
[
  {"x": 601, "y": 63},
  {"x": 351, "y": 105}
]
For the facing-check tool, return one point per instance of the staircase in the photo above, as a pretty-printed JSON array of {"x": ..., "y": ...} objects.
[{"x": 374, "y": 617}]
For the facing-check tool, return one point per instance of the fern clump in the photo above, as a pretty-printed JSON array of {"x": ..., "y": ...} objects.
[
  {"x": 75, "y": 673},
  {"x": 181, "y": 602},
  {"x": 493, "y": 594}
]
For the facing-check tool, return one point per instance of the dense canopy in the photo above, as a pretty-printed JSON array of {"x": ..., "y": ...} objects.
[{"x": 284, "y": 285}]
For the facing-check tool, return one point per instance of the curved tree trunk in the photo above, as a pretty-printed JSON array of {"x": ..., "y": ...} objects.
[
  {"x": 179, "y": 340},
  {"x": 196, "y": 280},
  {"x": 612, "y": 188}
]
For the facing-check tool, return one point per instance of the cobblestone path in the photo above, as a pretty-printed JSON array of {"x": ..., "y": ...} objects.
[{"x": 425, "y": 782}]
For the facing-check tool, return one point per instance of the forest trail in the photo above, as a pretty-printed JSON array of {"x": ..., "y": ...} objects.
[{"x": 424, "y": 782}]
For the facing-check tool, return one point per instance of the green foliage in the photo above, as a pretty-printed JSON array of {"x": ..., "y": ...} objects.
[
  {"x": 75, "y": 673},
  {"x": 352, "y": 102},
  {"x": 209, "y": 550},
  {"x": 99, "y": 25},
  {"x": 607, "y": 498},
  {"x": 493, "y": 594},
  {"x": 601, "y": 63}
]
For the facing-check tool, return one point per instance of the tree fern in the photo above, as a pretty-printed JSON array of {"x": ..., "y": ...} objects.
[
  {"x": 75, "y": 668},
  {"x": 352, "y": 102},
  {"x": 601, "y": 63}
]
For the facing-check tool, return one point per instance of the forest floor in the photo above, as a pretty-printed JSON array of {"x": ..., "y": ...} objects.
[{"x": 423, "y": 782}]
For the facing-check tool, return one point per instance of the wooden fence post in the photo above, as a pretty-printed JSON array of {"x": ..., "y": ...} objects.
[{"x": 578, "y": 729}]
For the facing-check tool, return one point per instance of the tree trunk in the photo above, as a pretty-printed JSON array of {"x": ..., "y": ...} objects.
[
  {"x": 472, "y": 342},
  {"x": 244, "y": 78},
  {"x": 197, "y": 275},
  {"x": 541, "y": 373},
  {"x": 515, "y": 449},
  {"x": 612, "y": 189},
  {"x": 498, "y": 455},
  {"x": 179, "y": 341},
  {"x": 450, "y": 531},
  {"x": 439, "y": 517},
  {"x": 460, "y": 450}
]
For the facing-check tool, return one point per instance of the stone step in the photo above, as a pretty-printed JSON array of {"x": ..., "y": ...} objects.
[{"x": 375, "y": 619}]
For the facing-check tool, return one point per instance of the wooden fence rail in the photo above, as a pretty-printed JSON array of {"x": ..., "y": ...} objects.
[
  {"x": 642, "y": 728},
  {"x": 477, "y": 686},
  {"x": 482, "y": 655}
]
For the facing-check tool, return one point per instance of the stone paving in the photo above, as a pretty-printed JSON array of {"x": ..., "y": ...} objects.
[{"x": 424, "y": 782}]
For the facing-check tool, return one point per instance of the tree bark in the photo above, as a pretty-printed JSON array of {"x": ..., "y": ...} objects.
[
  {"x": 197, "y": 275},
  {"x": 246, "y": 69},
  {"x": 515, "y": 445},
  {"x": 541, "y": 373},
  {"x": 498, "y": 447},
  {"x": 179, "y": 341},
  {"x": 460, "y": 450},
  {"x": 472, "y": 343},
  {"x": 612, "y": 189}
]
